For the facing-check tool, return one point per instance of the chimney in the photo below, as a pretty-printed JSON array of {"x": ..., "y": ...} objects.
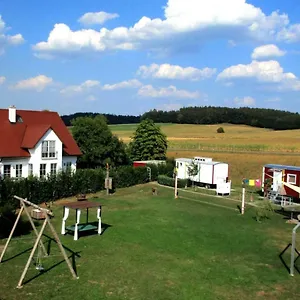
[{"x": 12, "y": 114}]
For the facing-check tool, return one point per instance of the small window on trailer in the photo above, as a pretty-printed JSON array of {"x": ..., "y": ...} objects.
[{"x": 291, "y": 178}]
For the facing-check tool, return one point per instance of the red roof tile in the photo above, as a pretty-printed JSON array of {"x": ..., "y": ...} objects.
[
  {"x": 17, "y": 138},
  {"x": 33, "y": 134}
]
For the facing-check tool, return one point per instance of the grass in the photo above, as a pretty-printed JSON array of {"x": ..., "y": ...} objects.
[
  {"x": 161, "y": 248},
  {"x": 246, "y": 149}
]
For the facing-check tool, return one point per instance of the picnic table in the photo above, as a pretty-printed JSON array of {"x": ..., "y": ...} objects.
[{"x": 80, "y": 227}]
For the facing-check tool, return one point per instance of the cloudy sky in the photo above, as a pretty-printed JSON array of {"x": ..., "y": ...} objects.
[{"x": 129, "y": 56}]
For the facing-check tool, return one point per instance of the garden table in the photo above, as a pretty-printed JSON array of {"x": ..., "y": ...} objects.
[{"x": 80, "y": 227}]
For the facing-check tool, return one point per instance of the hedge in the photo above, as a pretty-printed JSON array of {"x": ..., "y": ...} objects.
[
  {"x": 67, "y": 184},
  {"x": 168, "y": 181}
]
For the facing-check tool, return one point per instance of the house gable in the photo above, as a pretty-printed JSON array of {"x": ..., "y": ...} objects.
[{"x": 23, "y": 135}]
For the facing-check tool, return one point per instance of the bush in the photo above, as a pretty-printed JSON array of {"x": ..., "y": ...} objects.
[
  {"x": 168, "y": 181},
  {"x": 220, "y": 130}
]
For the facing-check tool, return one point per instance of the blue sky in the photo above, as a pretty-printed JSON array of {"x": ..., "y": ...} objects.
[{"x": 126, "y": 57}]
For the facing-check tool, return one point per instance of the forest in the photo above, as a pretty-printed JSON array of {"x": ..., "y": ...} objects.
[{"x": 255, "y": 117}]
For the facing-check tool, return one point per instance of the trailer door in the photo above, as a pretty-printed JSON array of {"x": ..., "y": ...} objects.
[{"x": 277, "y": 180}]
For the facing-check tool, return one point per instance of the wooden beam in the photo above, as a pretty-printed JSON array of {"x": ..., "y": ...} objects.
[
  {"x": 61, "y": 247},
  {"x": 11, "y": 233},
  {"x": 31, "y": 254},
  {"x": 33, "y": 226}
]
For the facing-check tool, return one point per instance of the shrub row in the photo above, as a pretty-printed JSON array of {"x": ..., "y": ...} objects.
[
  {"x": 168, "y": 181},
  {"x": 66, "y": 184}
]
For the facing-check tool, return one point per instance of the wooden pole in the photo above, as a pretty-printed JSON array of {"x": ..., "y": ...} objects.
[
  {"x": 107, "y": 179},
  {"x": 176, "y": 184},
  {"x": 33, "y": 226},
  {"x": 31, "y": 254},
  {"x": 34, "y": 205},
  {"x": 61, "y": 247},
  {"x": 11, "y": 233},
  {"x": 243, "y": 201}
]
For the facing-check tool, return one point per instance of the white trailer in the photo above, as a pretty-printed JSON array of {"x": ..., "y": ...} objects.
[{"x": 210, "y": 172}]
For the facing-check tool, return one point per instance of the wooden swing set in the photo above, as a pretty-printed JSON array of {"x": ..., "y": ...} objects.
[{"x": 38, "y": 242}]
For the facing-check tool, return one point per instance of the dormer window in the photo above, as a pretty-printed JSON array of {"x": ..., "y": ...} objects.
[{"x": 48, "y": 149}]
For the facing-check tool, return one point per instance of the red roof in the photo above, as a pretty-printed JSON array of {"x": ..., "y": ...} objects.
[{"x": 17, "y": 138}]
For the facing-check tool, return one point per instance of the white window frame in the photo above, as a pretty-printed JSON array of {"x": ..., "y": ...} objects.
[
  {"x": 6, "y": 174},
  {"x": 30, "y": 169},
  {"x": 53, "y": 169},
  {"x": 19, "y": 169},
  {"x": 289, "y": 178},
  {"x": 48, "y": 149},
  {"x": 43, "y": 174}
]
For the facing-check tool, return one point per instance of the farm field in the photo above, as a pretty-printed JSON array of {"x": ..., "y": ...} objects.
[
  {"x": 245, "y": 148},
  {"x": 157, "y": 247}
]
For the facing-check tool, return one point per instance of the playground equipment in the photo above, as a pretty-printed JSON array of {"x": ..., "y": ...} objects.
[{"x": 47, "y": 214}]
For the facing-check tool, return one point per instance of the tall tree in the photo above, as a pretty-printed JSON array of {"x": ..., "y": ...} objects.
[
  {"x": 97, "y": 143},
  {"x": 148, "y": 142}
]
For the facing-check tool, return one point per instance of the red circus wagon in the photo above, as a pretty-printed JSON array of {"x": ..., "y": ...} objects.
[{"x": 274, "y": 175}]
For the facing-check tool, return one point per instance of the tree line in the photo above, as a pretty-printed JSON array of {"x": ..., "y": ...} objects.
[
  {"x": 111, "y": 118},
  {"x": 255, "y": 117}
]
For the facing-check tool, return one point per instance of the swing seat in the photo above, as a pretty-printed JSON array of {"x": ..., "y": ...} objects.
[{"x": 82, "y": 227}]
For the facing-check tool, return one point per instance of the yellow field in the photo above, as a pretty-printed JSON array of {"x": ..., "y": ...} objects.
[{"x": 245, "y": 148}]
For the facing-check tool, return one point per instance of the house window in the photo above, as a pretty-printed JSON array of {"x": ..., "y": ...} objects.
[
  {"x": 42, "y": 170},
  {"x": 18, "y": 170},
  {"x": 53, "y": 169},
  {"x": 291, "y": 178},
  {"x": 6, "y": 171},
  {"x": 30, "y": 169},
  {"x": 48, "y": 149}
]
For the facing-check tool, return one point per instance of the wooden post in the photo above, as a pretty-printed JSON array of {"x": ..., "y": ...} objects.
[
  {"x": 31, "y": 254},
  {"x": 11, "y": 233},
  {"x": 107, "y": 179},
  {"x": 243, "y": 201},
  {"x": 33, "y": 226},
  {"x": 176, "y": 183}
]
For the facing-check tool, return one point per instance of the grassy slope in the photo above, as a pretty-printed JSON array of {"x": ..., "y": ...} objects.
[{"x": 161, "y": 248}]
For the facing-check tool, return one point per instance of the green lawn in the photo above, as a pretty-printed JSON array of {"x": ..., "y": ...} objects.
[{"x": 160, "y": 248}]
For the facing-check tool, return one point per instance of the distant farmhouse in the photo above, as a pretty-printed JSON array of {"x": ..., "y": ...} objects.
[{"x": 34, "y": 143}]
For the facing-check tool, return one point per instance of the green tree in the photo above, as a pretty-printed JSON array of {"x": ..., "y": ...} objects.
[
  {"x": 193, "y": 171},
  {"x": 97, "y": 143},
  {"x": 148, "y": 142}
]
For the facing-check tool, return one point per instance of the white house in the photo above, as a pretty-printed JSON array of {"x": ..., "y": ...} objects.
[{"x": 35, "y": 143}]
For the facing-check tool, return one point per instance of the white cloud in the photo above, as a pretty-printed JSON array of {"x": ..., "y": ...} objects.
[
  {"x": 170, "y": 107},
  {"x": 83, "y": 87},
  {"x": 2, "y": 79},
  {"x": 186, "y": 25},
  {"x": 100, "y": 17},
  {"x": 8, "y": 40},
  {"x": 263, "y": 71},
  {"x": 91, "y": 98},
  {"x": 37, "y": 83},
  {"x": 167, "y": 71},
  {"x": 267, "y": 51},
  {"x": 166, "y": 92},
  {"x": 290, "y": 34},
  {"x": 134, "y": 83},
  {"x": 246, "y": 101}
]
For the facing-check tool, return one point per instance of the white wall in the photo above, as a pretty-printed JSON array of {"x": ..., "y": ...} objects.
[
  {"x": 36, "y": 158},
  {"x": 36, "y": 154},
  {"x": 69, "y": 159}
]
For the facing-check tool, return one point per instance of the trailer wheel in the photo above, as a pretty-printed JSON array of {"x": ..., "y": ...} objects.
[{"x": 207, "y": 186}]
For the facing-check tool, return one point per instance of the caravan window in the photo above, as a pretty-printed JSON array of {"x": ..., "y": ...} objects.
[{"x": 291, "y": 178}]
